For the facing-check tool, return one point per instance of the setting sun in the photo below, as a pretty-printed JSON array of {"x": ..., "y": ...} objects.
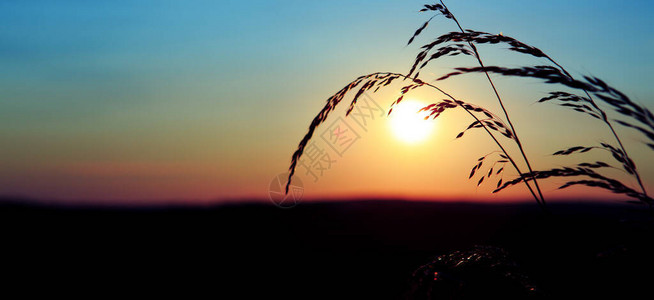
[{"x": 407, "y": 124}]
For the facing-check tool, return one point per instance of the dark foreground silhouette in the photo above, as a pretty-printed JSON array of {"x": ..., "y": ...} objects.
[{"x": 338, "y": 250}]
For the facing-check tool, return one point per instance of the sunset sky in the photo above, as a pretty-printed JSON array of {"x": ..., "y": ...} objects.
[{"x": 203, "y": 101}]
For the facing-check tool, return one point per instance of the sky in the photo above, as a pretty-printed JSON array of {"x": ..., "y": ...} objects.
[{"x": 205, "y": 101}]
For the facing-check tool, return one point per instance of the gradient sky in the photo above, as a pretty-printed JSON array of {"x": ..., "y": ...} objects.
[{"x": 197, "y": 100}]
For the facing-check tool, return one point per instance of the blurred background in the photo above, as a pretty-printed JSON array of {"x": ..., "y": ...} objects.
[{"x": 197, "y": 102}]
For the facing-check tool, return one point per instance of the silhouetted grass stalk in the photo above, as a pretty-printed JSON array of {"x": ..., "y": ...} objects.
[
  {"x": 515, "y": 166},
  {"x": 640, "y": 118},
  {"x": 499, "y": 99},
  {"x": 387, "y": 78},
  {"x": 605, "y": 120},
  {"x": 552, "y": 75}
]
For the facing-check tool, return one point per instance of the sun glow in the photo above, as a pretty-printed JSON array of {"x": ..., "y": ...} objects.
[{"x": 407, "y": 124}]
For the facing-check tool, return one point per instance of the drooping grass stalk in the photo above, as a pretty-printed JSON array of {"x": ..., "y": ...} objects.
[
  {"x": 605, "y": 120},
  {"x": 380, "y": 79},
  {"x": 551, "y": 75},
  {"x": 499, "y": 99},
  {"x": 595, "y": 86},
  {"x": 555, "y": 75},
  {"x": 515, "y": 166},
  {"x": 608, "y": 94}
]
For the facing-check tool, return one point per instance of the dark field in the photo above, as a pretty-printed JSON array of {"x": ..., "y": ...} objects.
[{"x": 344, "y": 250}]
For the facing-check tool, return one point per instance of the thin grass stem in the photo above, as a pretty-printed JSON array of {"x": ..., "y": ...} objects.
[
  {"x": 459, "y": 103},
  {"x": 608, "y": 123},
  {"x": 506, "y": 114}
]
